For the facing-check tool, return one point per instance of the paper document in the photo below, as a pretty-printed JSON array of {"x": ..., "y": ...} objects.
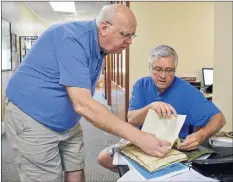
[
  {"x": 164, "y": 129},
  {"x": 190, "y": 175},
  {"x": 166, "y": 172},
  {"x": 149, "y": 162},
  {"x": 201, "y": 151}
]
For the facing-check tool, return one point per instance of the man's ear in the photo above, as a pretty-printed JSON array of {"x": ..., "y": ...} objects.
[
  {"x": 150, "y": 68},
  {"x": 103, "y": 29}
]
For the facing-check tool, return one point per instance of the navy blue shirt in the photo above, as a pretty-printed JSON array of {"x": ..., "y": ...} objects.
[
  {"x": 64, "y": 55},
  {"x": 186, "y": 99}
]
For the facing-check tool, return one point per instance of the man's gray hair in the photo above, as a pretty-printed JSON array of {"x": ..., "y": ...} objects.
[
  {"x": 163, "y": 51},
  {"x": 106, "y": 14}
]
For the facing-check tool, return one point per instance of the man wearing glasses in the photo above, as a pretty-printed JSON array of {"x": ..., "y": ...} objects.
[
  {"x": 53, "y": 88},
  {"x": 167, "y": 94}
]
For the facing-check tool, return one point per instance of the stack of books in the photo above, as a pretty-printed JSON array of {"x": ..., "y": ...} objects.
[
  {"x": 221, "y": 142},
  {"x": 222, "y": 139}
]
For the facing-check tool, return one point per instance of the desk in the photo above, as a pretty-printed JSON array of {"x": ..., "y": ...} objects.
[{"x": 224, "y": 153}]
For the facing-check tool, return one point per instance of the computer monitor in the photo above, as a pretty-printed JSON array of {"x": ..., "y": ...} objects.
[{"x": 207, "y": 76}]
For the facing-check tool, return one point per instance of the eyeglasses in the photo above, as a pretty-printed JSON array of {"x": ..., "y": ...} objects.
[
  {"x": 158, "y": 70},
  {"x": 123, "y": 34}
]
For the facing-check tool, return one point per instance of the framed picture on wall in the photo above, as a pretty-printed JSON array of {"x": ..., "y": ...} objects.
[
  {"x": 14, "y": 42},
  {"x": 6, "y": 46},
  {"x": 25, "y": 43}
]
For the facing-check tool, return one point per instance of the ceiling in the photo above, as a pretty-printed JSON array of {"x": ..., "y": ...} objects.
[{"x": 85, "y": 10}]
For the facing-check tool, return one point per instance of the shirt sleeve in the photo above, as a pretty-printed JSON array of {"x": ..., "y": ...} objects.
[
  {"x": 73, "y": 64},
  {"x": 202, "y": 110},
  {"x": 137, "y": 100}
]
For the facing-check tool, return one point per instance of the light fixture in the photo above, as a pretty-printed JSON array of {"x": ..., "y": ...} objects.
[{"x": 63, "y": 6}]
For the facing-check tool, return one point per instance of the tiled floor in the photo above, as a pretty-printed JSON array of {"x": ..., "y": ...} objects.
[{"x": 95, "y": 141}]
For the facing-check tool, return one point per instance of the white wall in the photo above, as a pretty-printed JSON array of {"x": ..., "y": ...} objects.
[
  {"x": 23, "y": 23},
  {"x": 188, "y": 27},
  {"x": 222, "y": 87}
]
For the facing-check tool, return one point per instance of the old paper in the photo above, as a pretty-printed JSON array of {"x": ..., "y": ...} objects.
[
  {"x": 152, "y": 163},
  {"x": 165, "y": 129}
]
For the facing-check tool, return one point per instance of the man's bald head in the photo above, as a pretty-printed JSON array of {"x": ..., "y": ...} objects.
[
  {"x": 116, "y": 25},
  {"x": 116, "y": 14}
]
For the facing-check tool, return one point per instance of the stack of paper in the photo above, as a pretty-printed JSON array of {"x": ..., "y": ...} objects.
[
  {"x": 165, "y": 129},
  {"x": 190, "y": 175},
  {"x": 163, "y": 173},
  {"x": 216, "y": 141},
  {"x": 149, "y": 162}
]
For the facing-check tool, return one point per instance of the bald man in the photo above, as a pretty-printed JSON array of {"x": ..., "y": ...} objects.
[{"x": 53, "y": 88}]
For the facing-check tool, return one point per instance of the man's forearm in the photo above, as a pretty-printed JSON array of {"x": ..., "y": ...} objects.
[
  {"x": 137, "y": 117},
  {"x": 102, "y": 118},
  {"x": 213, "y": 126}
]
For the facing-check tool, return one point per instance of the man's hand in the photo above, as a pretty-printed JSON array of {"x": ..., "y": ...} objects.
[
  {"x": 191, "y": 142},
  {"x": 150, "y": 144},
  {"x": 163, "y": 109}
]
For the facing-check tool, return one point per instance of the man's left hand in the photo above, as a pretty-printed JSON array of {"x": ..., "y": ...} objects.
[{"x": 191, "y": 142}]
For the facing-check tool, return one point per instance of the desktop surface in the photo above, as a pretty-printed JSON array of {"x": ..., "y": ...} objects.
[
  {"x": 218, "y": 166},
  {"x": 221, "y": 169}
]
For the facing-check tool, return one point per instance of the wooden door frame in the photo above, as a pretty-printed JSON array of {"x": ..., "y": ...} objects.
[{"x": 127, "y": 76}]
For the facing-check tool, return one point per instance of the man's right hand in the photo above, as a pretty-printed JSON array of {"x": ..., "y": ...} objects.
[
  {"x": 150, "y": 144},
  {"x": 163, "y": 109}
]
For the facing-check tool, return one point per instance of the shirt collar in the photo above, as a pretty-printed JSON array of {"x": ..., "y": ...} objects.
[
  {"x": 100, "y": 53},
  {"x": 95, "y": 33},
  {"x": 162, "y": 94}
]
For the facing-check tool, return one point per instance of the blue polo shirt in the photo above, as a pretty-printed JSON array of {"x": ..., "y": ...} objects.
[
  {"x": 64, "y": 55},
  {"x": 186, "y": 99}
]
